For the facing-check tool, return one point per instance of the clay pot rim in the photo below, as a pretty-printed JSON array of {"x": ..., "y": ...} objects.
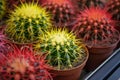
[{"x": 84, "y": 62}]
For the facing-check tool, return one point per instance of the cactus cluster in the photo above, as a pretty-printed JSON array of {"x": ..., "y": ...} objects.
[
  {"x": 2, "y": 8},
  {"x": 114, "y": 8},
  {"x": 26, "y": 23},
  {"x": 63, "y": 11},
  {"x": 95, "y": 28},
  {"x": 64, "y": 50},
  {"x": 21, "y": 64}
]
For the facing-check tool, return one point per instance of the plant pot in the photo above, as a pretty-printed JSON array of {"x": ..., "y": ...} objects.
[
  {"x": 71, "y": 74},
  {"x": 98, "y": 55}
]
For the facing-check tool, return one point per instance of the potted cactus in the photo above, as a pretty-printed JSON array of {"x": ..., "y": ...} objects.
[
  {"x": 21, "y": 64},
  {"x": 2, "y": 8},
  {"x": 26, "y": 23},
  {"x": 63, "y": 11},
  {"x": 113, "y": 7},
  {"x": 95, "y": 28},
  {"x": 66, "y": 54}
]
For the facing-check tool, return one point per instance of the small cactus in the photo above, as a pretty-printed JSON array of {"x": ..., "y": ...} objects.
[
  {"x": 26, "y": 23},
  {"x": 114, "y": 8},
  {"x": 21, "y": 64},
  {"x": 64, "y": 50},
  {"x": 2, "y": 8},
  {"x": 63, "y": 11},
  {"x": 95, "y": 28}
]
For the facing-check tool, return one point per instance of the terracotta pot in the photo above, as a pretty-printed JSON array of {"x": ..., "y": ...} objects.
[
  {"x": 71, "y": 74},
  {"x": 98, "y": 55}
]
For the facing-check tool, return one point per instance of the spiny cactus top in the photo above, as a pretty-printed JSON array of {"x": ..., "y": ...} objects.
[
  {"x": 12, "y": 3},
  {"x": 27, "y": 22},
  {"x": 2, "y": 8},
  {"x": 94, "y": 27},
  {"x": 114, "y": 8},
  {"x": 64, "y": 50},
  {"x": 21, "y": 64},
  {"x": 63, "y": 11}
]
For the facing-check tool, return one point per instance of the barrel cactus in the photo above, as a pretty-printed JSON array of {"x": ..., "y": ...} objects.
[
  {"x": 64, "y": 50},
  {"x": 94, "y": 26},
  {"x": 2, "y": 8},
  {"x": 21, "y": 64},
  {"x": 26, "y": 23},
  {"x": 88, "y": 3},
  {"x": 12, "y": 3},
  {"x": 63, "y": 11},
  {"x": 114, "y": 8}
]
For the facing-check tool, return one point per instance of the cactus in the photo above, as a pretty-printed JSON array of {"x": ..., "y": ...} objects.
[
  {"x": 21, "y": 64},
  {"x": 88, "y": 3},
  {"x": 64, "y": 50},
  {"x": 114, "y": 8},
  {"x": 2, "y": 8},
  {"x": 95, "y": 28},
  {"x": 26, "y": 23},
  {"x": 12, "y": 3},
  {"x": 63, "y": 11}
]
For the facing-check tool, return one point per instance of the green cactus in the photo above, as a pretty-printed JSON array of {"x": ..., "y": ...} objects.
[
  {"x": 27, "y": 22},
  {"x": 64, "y": 50},
  {"x": 2, "y": 8}
]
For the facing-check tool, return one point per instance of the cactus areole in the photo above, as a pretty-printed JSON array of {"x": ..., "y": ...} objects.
[
  {"x": 64, "y": 50},
  {"x": 95, "y": 28},
  {"x": 27, "y": 22}
]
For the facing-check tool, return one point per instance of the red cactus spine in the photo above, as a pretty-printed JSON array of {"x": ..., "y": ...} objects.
[
  {"x": 94, "y": 27},
  {"x": 21, "y": 64},
  {"x": 63, "y": 11}
]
